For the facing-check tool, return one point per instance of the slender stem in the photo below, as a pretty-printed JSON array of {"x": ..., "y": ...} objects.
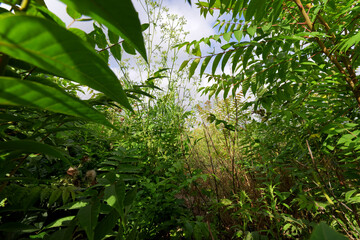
[
  {"x": 350, "y": 76},
  {"x": 24, "y": 5}
]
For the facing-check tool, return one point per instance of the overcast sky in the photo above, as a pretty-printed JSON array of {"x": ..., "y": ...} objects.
[{"x": 197, "y": 26}]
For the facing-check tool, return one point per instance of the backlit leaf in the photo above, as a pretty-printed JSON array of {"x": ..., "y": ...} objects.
[
  {"x": 17, "y": 92},
  {"x": 51, "y": 47},
  {"x": 193, "y": 66},
  {"x": 119, "y": 16}
]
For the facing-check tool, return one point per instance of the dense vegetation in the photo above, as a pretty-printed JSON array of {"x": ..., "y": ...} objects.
[{"x": 273, "y": 154}]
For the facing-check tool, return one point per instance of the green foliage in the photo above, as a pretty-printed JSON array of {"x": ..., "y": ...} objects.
[
  {"x": 285, "y": 153},
  {"x": 323, "y": 231},
  {"x": 51, "y": 47},
  {"x": 55, "y": 180}
]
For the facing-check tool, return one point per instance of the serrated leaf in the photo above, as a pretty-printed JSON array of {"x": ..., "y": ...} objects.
[
  {"x": 118, "y": 16},
  {"x": 51, "y": 47},
  {"x": 17, "y": 92}
]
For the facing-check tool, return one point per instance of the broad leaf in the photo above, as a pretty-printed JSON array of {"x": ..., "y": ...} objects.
[
  {"x": 51, "y": 47},
  {"x": 107, "y": 224},
  {"x": 119, "y": 16},
  {"x": 32, "y": 147},
  {"x": 31, "y": 94},
  {"x": 324, "y": 232},
  {"x": 115, "y": 195},
  {"x": 88, "y": 217}
]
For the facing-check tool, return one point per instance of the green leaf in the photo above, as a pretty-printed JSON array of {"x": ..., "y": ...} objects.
[
  {"x": 245, "y": 86},
  {"x": 39, "y": 9},
  {"x": 251, "y": 9},
  {"x": 323, "y": 232},
  {"x": 107, "y": 224},
  {"x": 17, "y": 227},
  {"x": 204, "y": 65},
  {"x": 345, "y": 45},
  {"x": 130, "y": 197},
  {"x": 216, "y": 62},
  {"x": 88, "y": 217},
  {"x": 193, "y": 66},
  {"x": 260, "y": 11},
  {"x": 31, "y": 94},
  {"x": 74, "y": 205},
  {"x": 247, "y": 55},
  {"x": 100, "y": 38},
  {"x": 73, "y": 13},
  {"x": 32, "y": 147},
  {"x": 144, "y": 26},
  {"x": 60, "y": 222},
  {"x": 238, "y": 34},
  {"x": 128, "y": 48},
  {"x": 183, "y": 65},
  {"x": 64, "y": 234},
  {"x": 114, "y": 196},
  {"x": 251, "y": 30},
  {"x": 225, "y": 59},
  {"x": 55, "y": 195},
  {"x": 53, "y": 48},
  {"x": 227, "y": 36},
  {"x": 116, "y": 51},
  {"x": 119, "y": 16},
  {"x": 113, "y": 38},
  {"x": 236, "y": 57}
]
